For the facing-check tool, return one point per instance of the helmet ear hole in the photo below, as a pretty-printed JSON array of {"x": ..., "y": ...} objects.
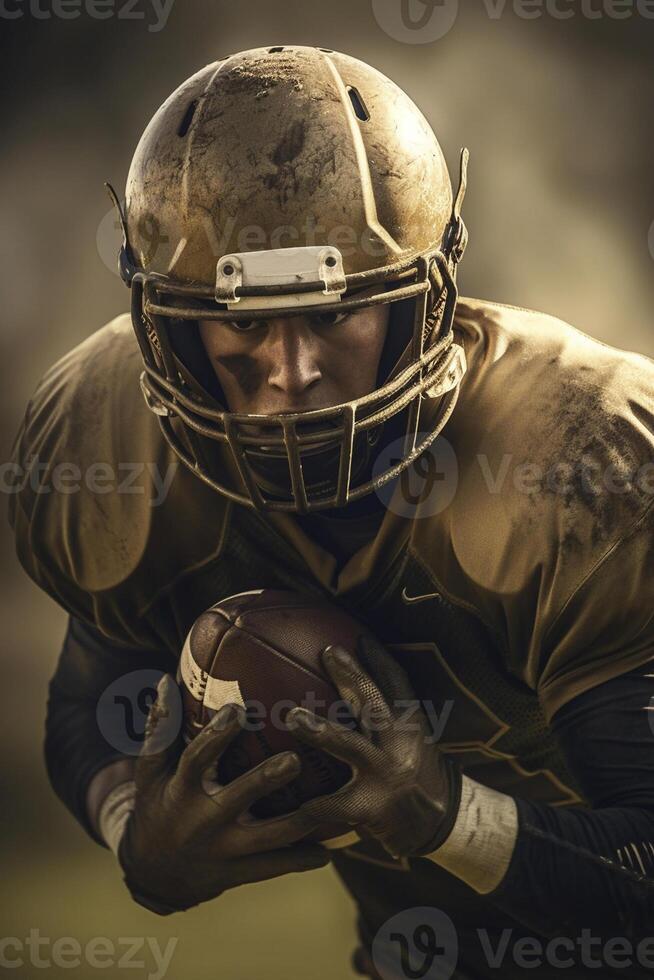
[
  {"x": 187, "y": 119},
  {"x": 359, "y": 106}
]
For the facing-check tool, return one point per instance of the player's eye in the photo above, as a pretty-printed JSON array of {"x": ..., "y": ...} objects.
[{"x": 329, "y": 319}]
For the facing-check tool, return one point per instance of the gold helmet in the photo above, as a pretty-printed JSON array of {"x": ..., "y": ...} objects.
[{"x": 285, "y": 180}]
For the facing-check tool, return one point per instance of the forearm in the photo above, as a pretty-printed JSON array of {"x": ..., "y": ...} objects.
[
  {"x": 556, "y": 871},
  {"x": 77, "y": 755},
  {"x": 577, "y": 869},
  {"x": 109, "y": 799},
  {"x": 82, "y": 765}
]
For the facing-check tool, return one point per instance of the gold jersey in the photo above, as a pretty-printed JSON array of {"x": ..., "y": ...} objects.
[{"x": 529, "y": 581}]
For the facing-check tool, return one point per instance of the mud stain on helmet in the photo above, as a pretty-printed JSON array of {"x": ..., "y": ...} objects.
[
  {"x": 291, "y": 144},
  {"x": 261, "y": 74},
  {"x": 286, "y": 180}
]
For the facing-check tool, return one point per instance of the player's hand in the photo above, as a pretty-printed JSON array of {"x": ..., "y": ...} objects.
[
  {"x": 188, "y": 839},
  {"x": 404, "y": 792}
]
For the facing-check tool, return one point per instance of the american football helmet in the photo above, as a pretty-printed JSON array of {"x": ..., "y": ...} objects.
[{"x": 285, "y": 181}]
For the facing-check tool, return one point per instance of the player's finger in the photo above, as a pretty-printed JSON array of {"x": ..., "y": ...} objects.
[
  {"x": 288, "y": 860},
  {"x": 340, "y": 807},
  {"x": 162, "y": 743},
  {"x": 267, "y": 835},
  {"x": 391, "y": 679},
  {"x": 207, "y": 747},
  {"x": 330, "y": 737},
  {"x": 357, "y": 688},
  {"x": 268, "y": 776}
]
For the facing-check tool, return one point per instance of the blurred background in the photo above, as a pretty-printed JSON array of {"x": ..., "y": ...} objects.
[{"x": 557, "y": 115}]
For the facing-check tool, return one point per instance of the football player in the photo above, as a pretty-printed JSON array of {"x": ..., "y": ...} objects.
[{"x": 297, "y": 345}]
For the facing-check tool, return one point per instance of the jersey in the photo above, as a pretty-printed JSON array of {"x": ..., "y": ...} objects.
[{"x": 528, "y": 584}]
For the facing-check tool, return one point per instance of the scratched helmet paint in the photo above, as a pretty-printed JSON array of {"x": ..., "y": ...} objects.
[{"x": 285, "y": 180}]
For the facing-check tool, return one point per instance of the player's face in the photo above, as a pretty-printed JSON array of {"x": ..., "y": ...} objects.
[{"x": 297, "y": 363}]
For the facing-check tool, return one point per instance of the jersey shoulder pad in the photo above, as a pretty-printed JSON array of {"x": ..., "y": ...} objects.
[{"x": 105, "y": 516}]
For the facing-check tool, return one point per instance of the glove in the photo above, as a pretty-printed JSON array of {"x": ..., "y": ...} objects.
[
  {"x": 188, "y": 839},
  {"x": 404, "y": 792}
]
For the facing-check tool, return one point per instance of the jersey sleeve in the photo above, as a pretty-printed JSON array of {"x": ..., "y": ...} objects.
[
  {"x": 106, "y": 519},
  {"x": 40, "y": 545},
  {"x": 76, "y": 745},
  {"x": 87, "y": 514},
  {"x": 548, "y": 538},
  {"x": 606, "y": 627}
]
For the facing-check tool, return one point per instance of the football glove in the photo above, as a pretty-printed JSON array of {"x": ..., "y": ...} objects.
[
  {"x": 188, "y": 839},
  {"x": 404, "y": 791}
]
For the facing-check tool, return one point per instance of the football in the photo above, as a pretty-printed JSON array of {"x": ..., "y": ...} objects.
[{"x": 262, "y": 650}]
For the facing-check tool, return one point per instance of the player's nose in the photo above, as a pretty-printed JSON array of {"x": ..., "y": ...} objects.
[{"x": 294, "y": 358}]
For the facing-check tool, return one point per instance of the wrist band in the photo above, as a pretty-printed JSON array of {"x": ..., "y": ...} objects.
[
  {"x": 481, "y": 844},
  {"x": 450, "y": 812},
  {"x": 114, "y": 813}
]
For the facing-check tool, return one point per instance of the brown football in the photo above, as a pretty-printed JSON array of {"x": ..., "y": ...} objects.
[{"x": 262, "y": 650}]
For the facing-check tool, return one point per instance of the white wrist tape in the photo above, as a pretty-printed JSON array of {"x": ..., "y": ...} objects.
[
  {"x": 114, "y": 813},
  {"x": 481, "y": 844}
]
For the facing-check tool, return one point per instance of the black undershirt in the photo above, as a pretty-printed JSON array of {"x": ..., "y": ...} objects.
[
  {"x": 342, "y": 532},
  {"x": 575, "y": 867}
]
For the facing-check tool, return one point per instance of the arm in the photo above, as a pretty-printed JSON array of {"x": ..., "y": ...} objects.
[
  {"x": 555, "y": 870},
  {"x": 593, "y": 867},
  {"x": 180, "y": 838},
  {"x": 110, "y": 800},
  {"x": 82, "y": 766}
]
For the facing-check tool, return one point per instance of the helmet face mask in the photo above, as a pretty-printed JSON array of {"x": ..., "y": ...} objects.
[{"x": 322, "y": 458}]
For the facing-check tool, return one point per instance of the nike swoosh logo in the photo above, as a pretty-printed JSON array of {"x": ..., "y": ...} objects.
[{"x": 410, "y": 599}]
